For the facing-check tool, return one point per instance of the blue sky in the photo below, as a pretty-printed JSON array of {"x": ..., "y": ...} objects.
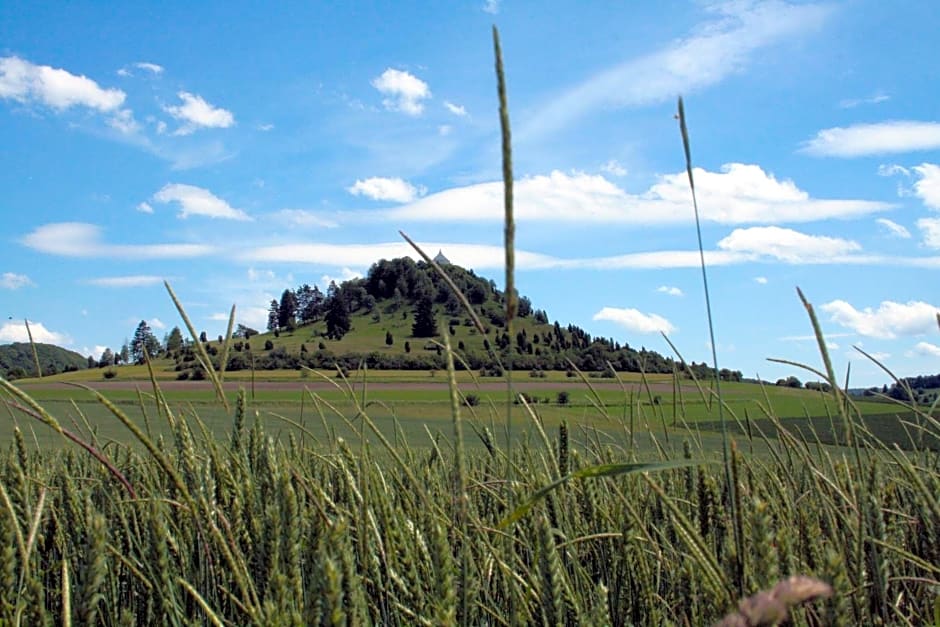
[{"x": 236, "y": 149}]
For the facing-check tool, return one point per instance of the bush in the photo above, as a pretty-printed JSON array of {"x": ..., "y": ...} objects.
[
  {"x": 110, "y": 373},
  {"x": 471, "y": 400},
  {"x": 563, "y": 397},
  {"x": 183, "y": 375},
  {"x": 268, "y": 345}
]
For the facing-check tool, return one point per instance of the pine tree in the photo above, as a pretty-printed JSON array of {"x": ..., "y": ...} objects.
[
  {"x": 272, "y": 315},
  {"x": 424, "y": 325},
  {"x": 287, "y": 310},
  {"x": 337, "y": 318},
  {"x": 389, "y": 340},
  {"x": 144, "y": 339}
]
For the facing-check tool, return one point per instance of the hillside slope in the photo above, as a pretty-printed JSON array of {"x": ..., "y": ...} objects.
[{"x": 16, "y": 360}]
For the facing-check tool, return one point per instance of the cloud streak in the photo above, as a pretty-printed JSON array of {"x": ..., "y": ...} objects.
[
  {"x": 863, "y": 140},
  {"x": 80, "y": 239},
  {"x": 719, "y": 48}
]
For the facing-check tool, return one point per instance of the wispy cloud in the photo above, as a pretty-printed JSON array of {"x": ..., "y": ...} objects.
[
  {"x": 862, "y": 140},
  {"x": 670, "y": 290},
  {"x": 760, "y": 280},
  {"x": 893, "y": 228},
  {"x": 153, "y": 68},
  {"x": 491, "y": 7},
  {"x": 304, "y": 218},
  {"x": 926, "y": 348},
  {"x": 144, "y": 207},
  {"x": 890, "y": 320},
  {"x": 876, "y": 98},
  {"x": 138, "y": 280},
  {"x": 457, "y": 110},
  {"x": 80, "y": 239},
  {"x": 196, "y": 113},
  {"x": 614, "y": 168},
  {"x": 196, "y": 201},
  {"x": 718, "y": 48},
  {"x": 404, "y": 92},
  {"x": 379, "y": 188},
  {"x": 13, "y": 281},
  {"x": 636, "y": 321},
  {"x": 930, "y": 229}
]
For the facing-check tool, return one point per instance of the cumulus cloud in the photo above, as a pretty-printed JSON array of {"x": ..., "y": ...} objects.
[
  {"x": 738, "y": 194},
  {"x": 893, "y": 228},
  {"x": 196, "y": 201},
  {"x": 59, "y": 89},
  {"x": 156, "y": 323},
  {"x": 930, "y": 229},
  {"x": 144, "y": 207},
  {"x": 137, "y": 280},
  {"x": 13, "y": 281},
  {"x": 890, "y": 320},
  {"x": 80, "y": 239},
  {"x": 345, "y": 274},
  {"x": 614, "y": 168},
  {"x": 196, "y": 113},
  {"x": 393, "y": 189},
  {"x": 719, "y": 48},
  {"x": 760, "y": 280},
  {"x": 928, "y": 187},
  {"x": 404, "y": 92},
  {"x": 926, "y": 348},
  {"x": 667, "y": 289},
  {"x": 861, "y": 140},
  {"x": 787, "y": 245},
  {"x": 636, "y": 321},
  {"x": 15, "y": 331}
]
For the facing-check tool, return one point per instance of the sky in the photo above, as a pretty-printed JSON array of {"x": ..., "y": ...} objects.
[{"x": 237, "y": 149}]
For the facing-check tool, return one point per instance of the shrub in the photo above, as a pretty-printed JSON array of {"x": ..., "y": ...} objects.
[
  {"x": 268, "y": 345},
  {"x": 563, "y": 397},
  {"x": 110, "y": 373},
  {"x": 471, "y": 400}
]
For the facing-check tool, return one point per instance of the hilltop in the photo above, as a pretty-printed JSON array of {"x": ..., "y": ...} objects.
[
  {"x": 16, "y": 360},
  {"x": 396, "y": 318}
]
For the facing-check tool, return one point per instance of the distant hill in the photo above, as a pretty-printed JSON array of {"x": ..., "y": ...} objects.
[
  {"x": 16, "y": 360},
  {"x": 395, "y": 317}
]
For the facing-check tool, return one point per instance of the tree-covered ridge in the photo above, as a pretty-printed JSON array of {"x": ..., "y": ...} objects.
[
  {"x": 391, "y": 317},
  {"x": 16, "y": 360}
]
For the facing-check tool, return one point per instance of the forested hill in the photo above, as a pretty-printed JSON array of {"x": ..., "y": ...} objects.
[
  {"x": 16, "y": 360},
  {"x": 394, "y": 317}
]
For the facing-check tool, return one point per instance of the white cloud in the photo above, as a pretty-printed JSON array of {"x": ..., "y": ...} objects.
[
  {"x": 138, "y": 280},
  {"x": 893, "y": 228},
  {"x": 876, "y": 98},
  {"x": 930, "y": 227},
  {"x": 886, "y": 169},
  {"x": 196, "y": 201},
  {"x": 13, "y": 281},
  {"x": 304, "y": 218},
  {"x": 379, "y": 188},
  {"x": 156, "y": 323},
  {"x": 890, "y": 320},
  {"x": 671, "y": 291},
  {"x": 153, "y": 68},
  {"x": 123, "y": 122},
  {"x": 261, "y": 275},
  {"x": 444, "y": 130},
  {"x": 719, "y": 48},
  {"x": 614, "y": 168},
  {"x": 928, "y": 187},
  {"x": 79, "y": 239},
  {"x": 144, "y": 207},
  {"x": 787, "y": 245},
  {"x": 26, "y": 82},
  {"x": 491, "y": 6},
  {"x": 404, "y": 91},
  {"x": 760, "y": 280},
  {"x": 265, "y": 127},
  {"x": 737, "y": 194},
  {"x": 862, "y": 140},
  {"x": 196, "y": 113},
  {"x": 124, "y": 72},
  {"x": 15, "y": 331},
  {"x": 346, "y": 274},
  {"x": 636, "y": 321},
  {"x": 926, "y": 348},
  {"x": 457, "y": 110}
]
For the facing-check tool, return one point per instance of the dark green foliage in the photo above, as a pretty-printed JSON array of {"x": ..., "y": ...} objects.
[
  {"x": 389, "y": 340},
  {"x": 16, "y": 360},
  {"x": 338, "y": 323},
  {"x": 425, "y": 324},
  {"x": 144, "y": 339}
]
